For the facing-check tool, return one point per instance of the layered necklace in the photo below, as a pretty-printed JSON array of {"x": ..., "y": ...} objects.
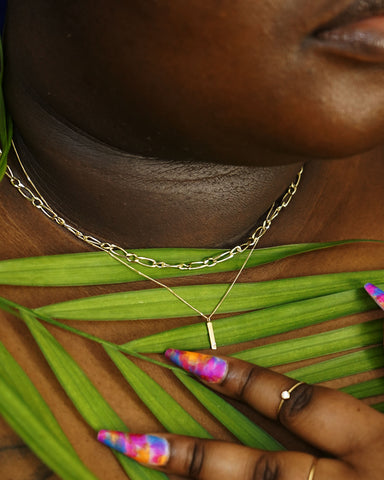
[{"x": 28, "y": 190}]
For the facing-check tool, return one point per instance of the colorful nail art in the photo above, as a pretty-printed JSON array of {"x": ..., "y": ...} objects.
[
  {"x": 208, "y": 368},
  {"x": 376, "y": 293},
  {"x": 146, "y": 449}
]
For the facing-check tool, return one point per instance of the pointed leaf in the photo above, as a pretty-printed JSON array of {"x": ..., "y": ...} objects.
[
  {"x": 18, "y": 380},
  {"x": 379, "y": 407},
  {"x": 344, "y": 366},
  {"x": 169, "y": 413},
  {"x": 86, "y": 398},
  {"x": 39, "y": 437},
  {"x": 25, "y": 410},
  {"x": 303, "y": 348},
  {"x": 259, "y": 324},
  {"x": 160, "y": 303},
  {"x": 5, "y": 122},
  {"x": 98, "y": 268},
  {"x": 370, "y": 388},
  {"x": 238, "y": 424},
  {"x": 5, "y": 148}
]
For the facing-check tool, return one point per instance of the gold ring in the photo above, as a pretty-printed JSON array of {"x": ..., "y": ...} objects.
[
  {"x": 286, "y": 395},
  {"x": 313, "y": 469}
]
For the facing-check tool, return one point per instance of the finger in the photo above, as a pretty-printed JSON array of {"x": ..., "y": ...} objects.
[
  {"x": 211, "y": 459},
  {"x": 327, "y": 419}
]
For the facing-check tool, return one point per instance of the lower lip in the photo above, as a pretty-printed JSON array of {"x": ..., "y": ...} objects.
[{"x": 363, "y": 40}]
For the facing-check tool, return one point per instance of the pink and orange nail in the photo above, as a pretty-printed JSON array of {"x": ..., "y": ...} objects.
[
  {"x": 207, "y": 367},
  {"x": 376, "y": 293},
  {"x": 145, "y": 449}
]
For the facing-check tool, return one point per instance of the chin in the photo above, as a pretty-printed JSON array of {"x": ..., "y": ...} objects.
[
  {"x": 330, "y": 137},
  {"x": 343, "y": 145}
]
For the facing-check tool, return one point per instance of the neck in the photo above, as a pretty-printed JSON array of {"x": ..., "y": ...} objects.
[{"x": 142, "y": 201}]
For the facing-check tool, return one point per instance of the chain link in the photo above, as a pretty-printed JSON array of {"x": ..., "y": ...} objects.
[{"x": 37, "y": 200}]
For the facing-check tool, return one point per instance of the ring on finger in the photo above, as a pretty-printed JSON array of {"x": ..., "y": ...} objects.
[
  {"x": 286, "y": 395},
  {"x": 311, "y": 475}
]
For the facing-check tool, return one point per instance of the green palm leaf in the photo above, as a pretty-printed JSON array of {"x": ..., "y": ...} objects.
[
  {"x": 259, "y": 324},
  {"x": 17, "y": 379},
  {"x": 313, "y": 346},
  {"x": 25, "y": 410},
  {"x": 169, "y": 413},
  {"x": 283, "y": 305},
  {"x": 379, "y": 407},
  {"x": 346, "y": 365},
  {"x": 5, "y": 123},
  {"x": 238, "y": 424},
  {"x": 86, "y": 398},
  {"x": 370, "y": 388},
  {"x": 98, "y": 268},
  {"x": 39, "y": 437},
  {"x": 159, "y": 303}
]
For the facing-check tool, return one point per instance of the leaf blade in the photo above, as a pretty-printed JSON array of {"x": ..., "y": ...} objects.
[
  {"x": 343, "y": 366},
  {"x": 98, "y": 414},
  {"x": 370, "y": 388},
  {"x": 39, "y": 438},
  {"x": 238, "y": 424},
  {"x": 18, "y": 380},
  {"x": 169, "y": 413},
  {"x": 313, "y": 346},
  {"x": 98, "y": 268},
  {"x": 160, "y": 303},
  {"x": 6, "y": 128},
  {"x": 258, "y": 324}
]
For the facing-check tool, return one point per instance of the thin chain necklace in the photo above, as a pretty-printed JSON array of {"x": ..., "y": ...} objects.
[{"x": 125, "y": 257}]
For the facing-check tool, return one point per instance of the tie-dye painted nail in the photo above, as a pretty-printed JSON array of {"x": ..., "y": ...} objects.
[
  {"x": 376, "y": 293},
  {"x": 146, "y": 449},
  {"x": 207, "y": 367}
]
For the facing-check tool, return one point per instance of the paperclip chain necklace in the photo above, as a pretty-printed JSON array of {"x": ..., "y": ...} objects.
[{"x": 127, "y": 258}]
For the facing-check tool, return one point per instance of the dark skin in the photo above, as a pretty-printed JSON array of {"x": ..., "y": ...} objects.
[
  {"x": 203, "y": 98},
  {"x": 306, "y": 413}
]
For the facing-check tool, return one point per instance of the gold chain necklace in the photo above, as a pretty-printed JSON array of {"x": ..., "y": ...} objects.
[{"x": 127, "y": 258}]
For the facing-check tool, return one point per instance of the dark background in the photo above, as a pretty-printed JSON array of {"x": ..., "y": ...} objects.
[{"x": 3, "y": 4}]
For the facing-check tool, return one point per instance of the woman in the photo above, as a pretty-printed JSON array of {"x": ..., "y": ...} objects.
[{"x": 192, "y": 118}]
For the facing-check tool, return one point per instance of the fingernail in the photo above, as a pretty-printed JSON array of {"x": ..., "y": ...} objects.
[
  {"x": 376, "y": 293},
  {"x": 145, "y": 449},
  {"x": 207, "y": 367}
]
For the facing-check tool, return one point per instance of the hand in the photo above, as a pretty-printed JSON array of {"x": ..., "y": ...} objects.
[{"x": 350, "y": 432}]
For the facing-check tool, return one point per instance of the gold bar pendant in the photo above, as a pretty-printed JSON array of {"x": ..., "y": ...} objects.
[{"x": 211, "y": 334}]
